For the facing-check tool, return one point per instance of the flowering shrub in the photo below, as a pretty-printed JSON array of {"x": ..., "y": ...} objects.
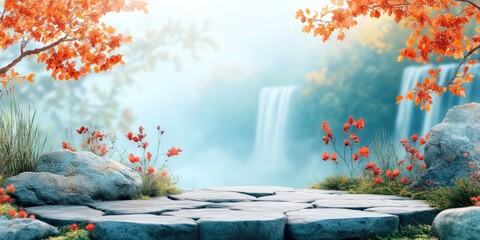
[
  {"x": 74, "y": 232},
  {"x": 96, "y": 141},
  {"x": 408, "y": 169},
  {"x": 145, "y": 161},
  {"x": 355, "y": 157},
  {"x": 6, "y": 207}
]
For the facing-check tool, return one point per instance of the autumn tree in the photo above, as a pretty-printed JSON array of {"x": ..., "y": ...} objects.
[
  {"x": 438, "y": 30},
  {"x": 68, "y": 36}
]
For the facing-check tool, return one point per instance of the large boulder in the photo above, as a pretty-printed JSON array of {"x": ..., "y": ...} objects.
[
  {"x": 458, "y": 223},
  {"x": 452, "y": 145},
  {"x": 25, "y": 229},
  {"x": 75, "y": 178}
]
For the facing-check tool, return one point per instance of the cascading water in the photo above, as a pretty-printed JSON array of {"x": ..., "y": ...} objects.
[
  {"x": 411, "y": 120},
  {"x": 273, "y": 115}
]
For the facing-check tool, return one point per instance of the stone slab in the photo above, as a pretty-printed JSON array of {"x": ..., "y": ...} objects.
[
  {"x": 331, "y": 223},
  {"x": 25, "y": 229},
  {"x": 151, "y": 206},
  {"x": 264, "y": 206},
  {"x": 354, "y": 204},
  {"x": 144, "y": 226},
  {"x": 212, "y": 196},
  {"x": 298, "y": 196},
  {"x": 409, "y": 215},
  {"x": 219, "y": 224},
  {"x": 255, "y": 191},
  {"x": 60, "y": 215}
]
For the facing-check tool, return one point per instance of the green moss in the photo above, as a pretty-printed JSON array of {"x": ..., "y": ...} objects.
[
  {"x": 339, "y": 182},
  {"x": 455, "y": 196},
  {"x": 421, "y": 231},
  {"x": 155, "y": 184},
  {"x": 67, "y": 234}
]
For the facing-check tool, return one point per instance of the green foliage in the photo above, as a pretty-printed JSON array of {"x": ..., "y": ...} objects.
[
  {"x": 67, "y": 234},
  {"x": 455, "y": 196},
  {"x": 20, "y": 140},
  {"x": 339, "y": 182},
  {"x": 158, "y": 184},
  {"x": 367, "y": 186},
  {"x": 5, "y": 208},
  {"x": 419, "y": 232}
]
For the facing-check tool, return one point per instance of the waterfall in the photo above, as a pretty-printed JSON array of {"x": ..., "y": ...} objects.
[
  {"x": 411, "y": 120},
  {"x": 273, "y": 114}
]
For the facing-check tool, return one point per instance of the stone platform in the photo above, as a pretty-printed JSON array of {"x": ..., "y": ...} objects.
[{"x": 253, "y": 212}]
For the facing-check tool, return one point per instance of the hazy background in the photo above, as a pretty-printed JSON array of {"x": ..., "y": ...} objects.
[{"x": 196, "y": 68}]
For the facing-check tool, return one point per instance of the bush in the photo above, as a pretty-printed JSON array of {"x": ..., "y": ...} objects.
[
  {"x": 420, "y": 231},
  {"x": 158, "y": 183},
  {"x": 20, "y": 140},
  {"x": 458, "y": 195},
  {"x": 339, "y": 182},
  {"x": 368, "y": 186}
]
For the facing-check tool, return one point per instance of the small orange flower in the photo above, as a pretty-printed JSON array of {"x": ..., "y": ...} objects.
[
  {"x": 32, "y": 216},
  {"x": 423, "y": 165},
  {"x": 378, "y": 180},
  {"x": 355, "y": 157},
  {"x": 363, "y": 151},
  {"x": 409, "y": 168},
  {"x": 414, "y": 137},
  {"x": 12, "y": 213},
  {"x": 377, "y": 171},
  {"x": 149, "y": 156},
  {"x": 360, "y": 124},
  {"x": 346, "y": 126},
  {"x": 90, "y": 227},
  {"x": 333, "y": 157},
  {"x": 165, "y": 174},
  {"x": 345, "y": 142},
  {"x": 22, "y": 214},
  {"x": 326, "y": 140},
  {"x": 73, "y": 227},
  {"x": 404, "y": 180},
  {"x": 67, "y": 146},
  {"x": 11, "y": 188},
  {"x": 325, "y": 156},
  {"x": 370, "y": 165},
  {"x": 133, "y": 159},
  {"x": 173, "y": 151},
  {"x": 150, "y": 170},
  {"x": 422, "y": 141}
]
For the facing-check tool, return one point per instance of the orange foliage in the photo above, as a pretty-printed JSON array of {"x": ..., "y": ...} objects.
[
  {"x": 438, "y": 30},
  {"x": 66, "y": 35}
]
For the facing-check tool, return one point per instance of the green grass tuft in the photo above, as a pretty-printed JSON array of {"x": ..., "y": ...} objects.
[
  {"x": 418, "y": 232},
  {"x": 20, "y": 140}
]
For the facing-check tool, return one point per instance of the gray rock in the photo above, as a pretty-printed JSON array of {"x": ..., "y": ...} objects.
[
  {"x": 229, "y": 224},
  {"x": 298, "y": 196},
  {"x": 458, "y": 223},
  {"x": 60, "y": 215},
  {"x": 212, "y": 196},
  {"x": 75, "y": 178},
  {"x": 255, "y": 191},
  {"x": 151, "y": 206},
  {"x": 452, "y": 145},
  {"x": 143, "y": 226},
  {"x": 25, "y": 229},
  {"x": 409, "y": 215},
  {"x": 354, "y": 203},
  {"x": 334, "y": 223},
  {"x": 264, "y": 206}
]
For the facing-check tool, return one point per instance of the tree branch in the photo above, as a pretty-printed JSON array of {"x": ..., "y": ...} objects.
[
  {"x": 465, "y": 58},
  {"x": 469, "y": 2},
  {"x": 27, "y": 53}
]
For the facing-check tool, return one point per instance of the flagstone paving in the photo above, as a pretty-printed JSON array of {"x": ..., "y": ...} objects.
[{"x": 257, "y": 212}]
